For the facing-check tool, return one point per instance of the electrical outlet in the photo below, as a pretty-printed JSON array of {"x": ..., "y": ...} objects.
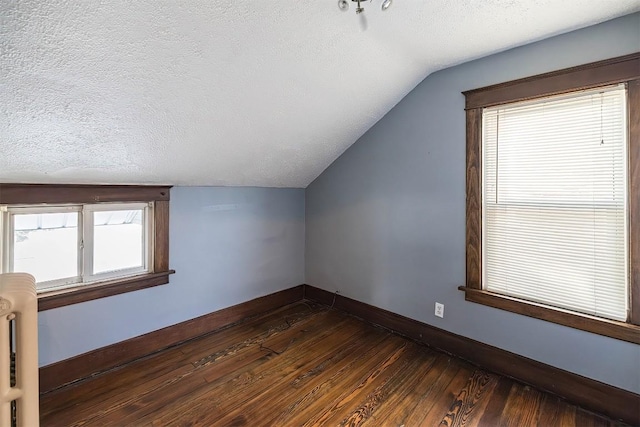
[{"x": 439, "y": 310}]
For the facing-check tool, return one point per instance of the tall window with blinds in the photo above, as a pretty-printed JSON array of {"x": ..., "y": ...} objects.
[{"x": 554, "y": 189}]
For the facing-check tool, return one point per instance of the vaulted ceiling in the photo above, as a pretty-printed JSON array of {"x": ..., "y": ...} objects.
[{"x": 221, "y": 92}]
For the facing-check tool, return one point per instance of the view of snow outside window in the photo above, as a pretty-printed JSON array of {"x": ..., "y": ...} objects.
[
  {"x": 117, "y": 240},
  {"x": 47, "y": 246}
]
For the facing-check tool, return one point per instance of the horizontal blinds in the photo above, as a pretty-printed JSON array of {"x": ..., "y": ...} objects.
[{"x": 554, "y": 201}]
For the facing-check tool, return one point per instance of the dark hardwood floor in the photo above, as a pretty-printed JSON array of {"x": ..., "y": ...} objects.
[{"x": 305, "y": 365}]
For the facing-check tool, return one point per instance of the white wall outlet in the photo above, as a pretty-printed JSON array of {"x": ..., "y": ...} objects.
[{"x": 439, "y": 310}]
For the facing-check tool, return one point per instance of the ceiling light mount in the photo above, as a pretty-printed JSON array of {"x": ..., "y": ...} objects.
[{"x": 343, "y": 5}]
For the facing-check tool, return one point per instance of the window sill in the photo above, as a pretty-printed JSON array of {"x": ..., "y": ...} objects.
[
  {"x": 82, "y": 293},
  {"x": 610, "y": 328}
]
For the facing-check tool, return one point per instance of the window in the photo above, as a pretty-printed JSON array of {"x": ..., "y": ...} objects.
[
  {"x": 553, "y": 203},
  {"x": 553, "y": 227},
  {"x": 82, "y": 251},
  {"x": 62, "y": 246}
]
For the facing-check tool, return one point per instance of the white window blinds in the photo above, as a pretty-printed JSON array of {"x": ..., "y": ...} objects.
[{"x": 554, "y": 201}]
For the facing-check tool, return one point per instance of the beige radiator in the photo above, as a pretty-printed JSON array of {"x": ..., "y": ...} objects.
[{"x": 18, "y": 351}]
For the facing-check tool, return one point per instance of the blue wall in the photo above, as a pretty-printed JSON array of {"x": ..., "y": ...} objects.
[
  {"x": 386, "y": 221},
  {"x": 227, "y": 245}
]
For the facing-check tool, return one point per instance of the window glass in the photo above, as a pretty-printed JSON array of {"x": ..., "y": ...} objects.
[
  {"x": 46, "y": 245},
  {"x": 118, "y": 240}
]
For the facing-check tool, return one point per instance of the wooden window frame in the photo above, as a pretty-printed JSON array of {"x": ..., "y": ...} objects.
[
  {"x": 624, "y": 69},
  {"x": 56, "y": 194}
]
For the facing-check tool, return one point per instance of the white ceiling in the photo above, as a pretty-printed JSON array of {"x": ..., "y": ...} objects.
[{"x": 220, "y": 92}]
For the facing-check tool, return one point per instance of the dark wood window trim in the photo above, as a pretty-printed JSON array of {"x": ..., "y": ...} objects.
[
  {"x": 601, "y": 73},
  {"x": 34, "y": 194},
  {"x": 624, "y": 69}
]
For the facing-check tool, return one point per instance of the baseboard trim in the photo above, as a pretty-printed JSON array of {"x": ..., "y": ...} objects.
[
  {"x": 103, "y": 359},
  {"x": 587, "y": 393}
]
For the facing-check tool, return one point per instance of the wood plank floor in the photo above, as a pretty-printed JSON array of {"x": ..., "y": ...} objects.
[{"x": 305, "y": 365}]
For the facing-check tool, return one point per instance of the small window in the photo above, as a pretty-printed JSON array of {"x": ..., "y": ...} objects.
[
  {"x": 63, "y": 246},
  {"x": 83, "y": 242}
]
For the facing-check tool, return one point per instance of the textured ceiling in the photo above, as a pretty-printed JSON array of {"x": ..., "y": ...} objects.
[{"x": 219, "y": 92}]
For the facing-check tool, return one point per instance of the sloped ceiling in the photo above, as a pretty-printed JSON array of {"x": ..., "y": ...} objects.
[{"x": 220, "y": 92}]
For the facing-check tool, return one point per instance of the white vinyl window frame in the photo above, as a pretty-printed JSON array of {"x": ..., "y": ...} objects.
[
  {"x": 85, "y": 252},
  {"x": 88, "y": 244},
  {"x": 8, "y": 239}
]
